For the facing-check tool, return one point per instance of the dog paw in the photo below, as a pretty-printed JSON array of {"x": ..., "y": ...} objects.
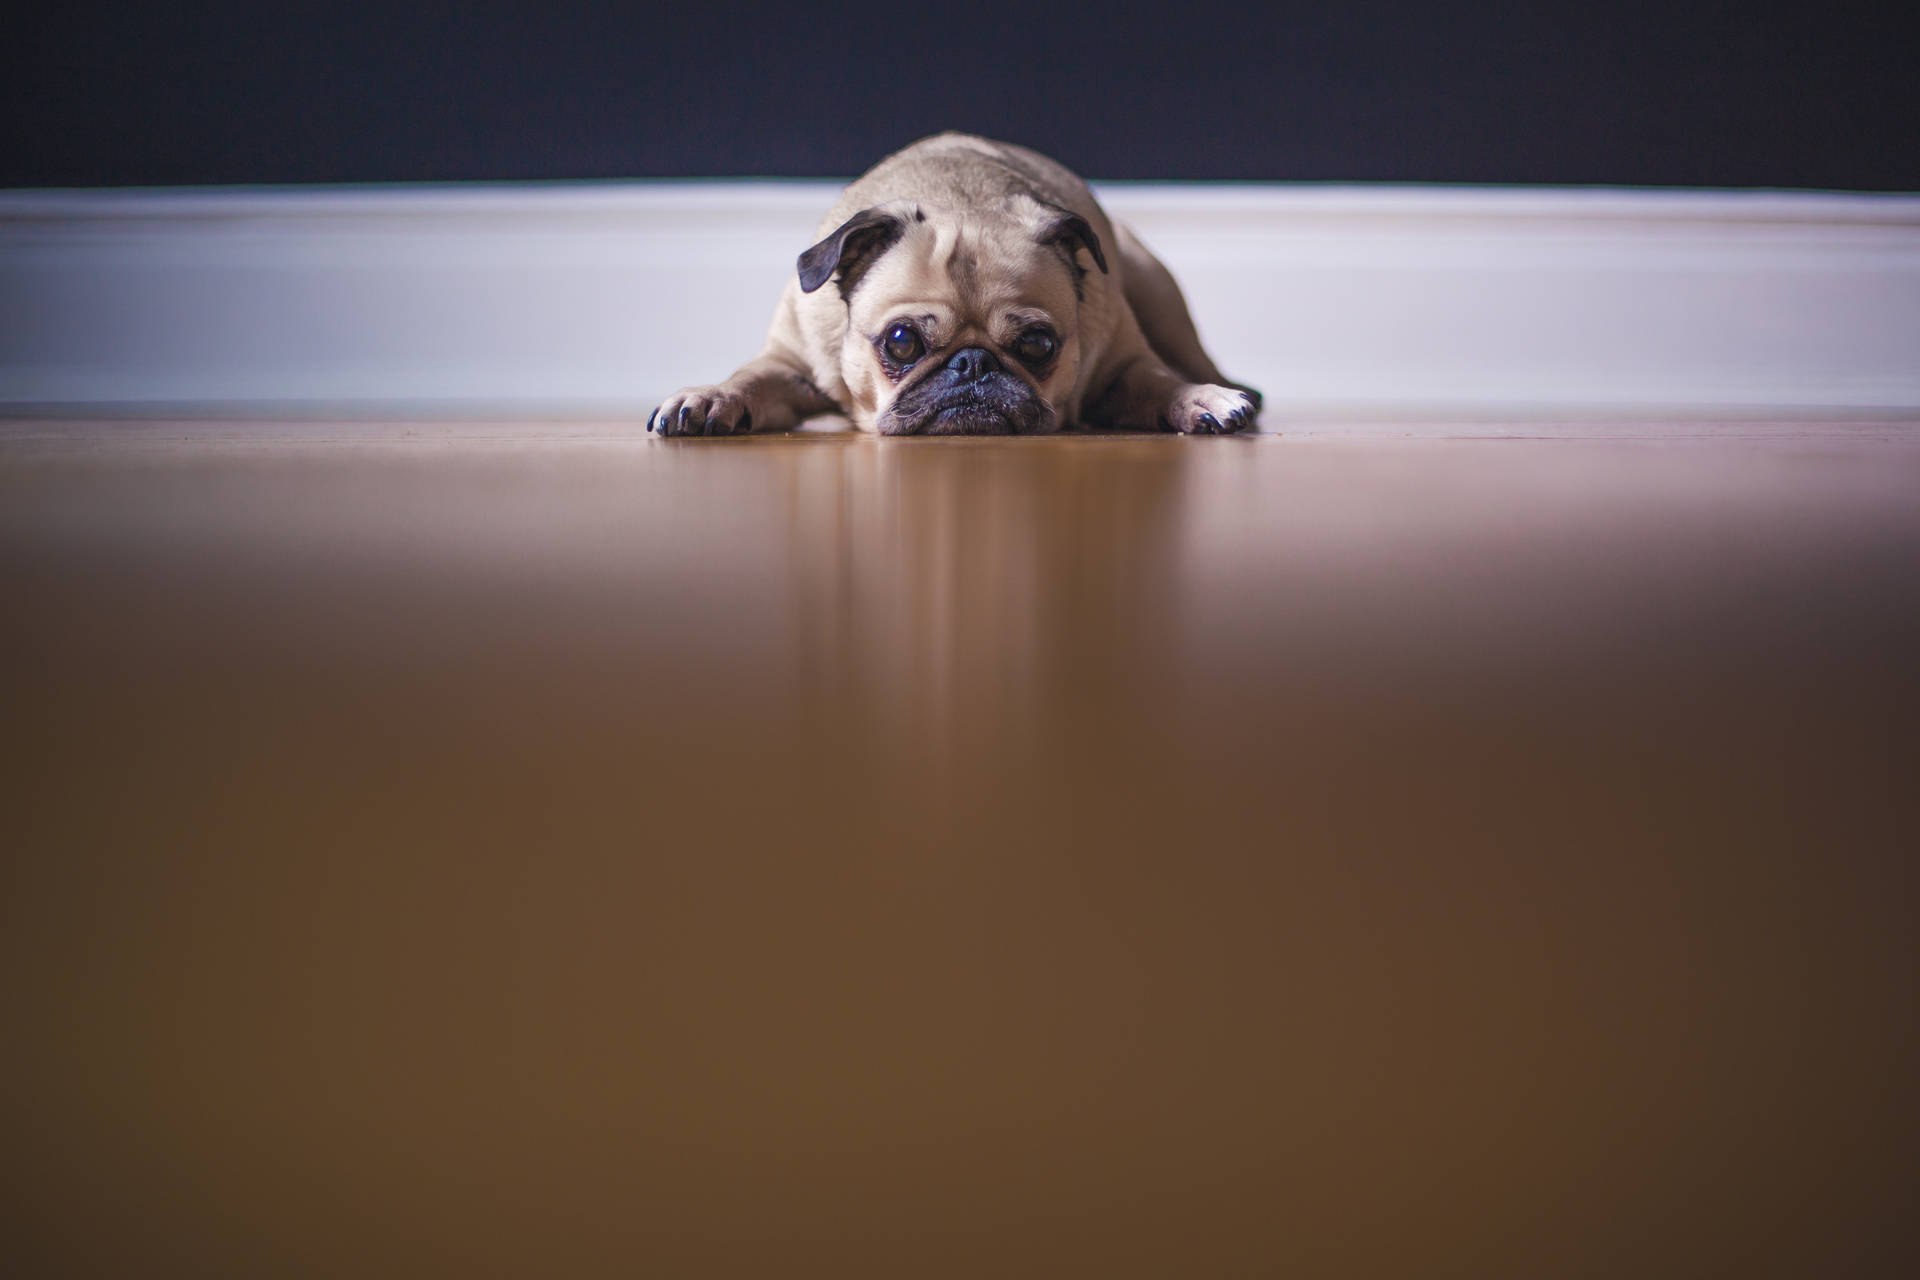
[
  {"x": 703, "y": 411},
  {"x": 1204, "y": 410}
]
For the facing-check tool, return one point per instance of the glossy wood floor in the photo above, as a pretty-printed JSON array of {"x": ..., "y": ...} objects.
[{"x": 529, "y": 850}]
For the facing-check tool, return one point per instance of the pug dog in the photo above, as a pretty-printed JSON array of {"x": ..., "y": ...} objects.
[{"x": 970, "y": 287}]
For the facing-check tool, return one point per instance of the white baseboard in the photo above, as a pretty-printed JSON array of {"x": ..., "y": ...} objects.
[{"x": 598, "y": 298}]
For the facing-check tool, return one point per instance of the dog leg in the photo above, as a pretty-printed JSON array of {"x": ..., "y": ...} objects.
[
  {"x": 771, "y": 392},
  {"x": 1163, "y": 316},
  {"x": 1143, "y": 394}
]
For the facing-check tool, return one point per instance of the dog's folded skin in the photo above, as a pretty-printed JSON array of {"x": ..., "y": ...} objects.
[{"x": 968, "y": 287}]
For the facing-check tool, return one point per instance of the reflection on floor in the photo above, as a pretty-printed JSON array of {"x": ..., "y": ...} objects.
[{"x": 537, "y": 850}]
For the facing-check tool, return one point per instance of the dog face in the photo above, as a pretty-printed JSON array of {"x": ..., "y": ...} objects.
[{"x": 958, "y": 325}]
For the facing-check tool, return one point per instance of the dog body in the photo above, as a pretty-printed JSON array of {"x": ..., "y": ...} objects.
[{"x": 964, "y": 286}]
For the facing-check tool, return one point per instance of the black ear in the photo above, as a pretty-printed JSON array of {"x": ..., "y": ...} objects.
[
  {"x": 853, "y": 242},
  {"x": 1071, "y": 231}
]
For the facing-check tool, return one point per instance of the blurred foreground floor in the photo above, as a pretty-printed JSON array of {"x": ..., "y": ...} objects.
[{"x": 525, "y": 851}]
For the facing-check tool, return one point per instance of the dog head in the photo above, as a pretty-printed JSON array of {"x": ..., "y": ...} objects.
[{"x": 958, "y": 324}]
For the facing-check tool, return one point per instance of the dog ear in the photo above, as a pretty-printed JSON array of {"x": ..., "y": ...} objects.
[
  {"x": 1071, "y": 231},
  {"x": 852, "y": 244}
]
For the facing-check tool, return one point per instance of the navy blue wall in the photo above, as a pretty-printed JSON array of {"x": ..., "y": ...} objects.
[{"x": 1717, "y": 94}]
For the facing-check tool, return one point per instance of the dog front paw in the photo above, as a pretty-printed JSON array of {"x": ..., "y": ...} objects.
[
  {"x": 1202, "y": 409},
  {"x": 703, "y": 411}
]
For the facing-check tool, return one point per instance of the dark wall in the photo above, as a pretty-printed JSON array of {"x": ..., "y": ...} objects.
[{"x": 1717, "y": 94}]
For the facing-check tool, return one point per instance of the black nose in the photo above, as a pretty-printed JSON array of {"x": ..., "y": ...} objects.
[{"x": 970, "y": 364}]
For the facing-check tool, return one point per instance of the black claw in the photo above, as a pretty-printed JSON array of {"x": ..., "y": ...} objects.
[
  {"x": 1208, "y": 424},
  {"x": 746, "y": 422}
]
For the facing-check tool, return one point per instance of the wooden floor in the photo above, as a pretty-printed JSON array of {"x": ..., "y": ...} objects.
[{"x": 548, "y": 850}]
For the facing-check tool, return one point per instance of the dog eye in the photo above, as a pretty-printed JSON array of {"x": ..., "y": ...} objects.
[
  {"x": 1035, "y": 346},
  {"x": 903, "y": 345}
]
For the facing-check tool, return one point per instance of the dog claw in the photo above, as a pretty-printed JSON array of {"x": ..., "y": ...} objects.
[{"x": 702, "y": 411}]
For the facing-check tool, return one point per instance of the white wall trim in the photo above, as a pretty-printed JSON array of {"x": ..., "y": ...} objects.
[{"x": 597, "y": 298}]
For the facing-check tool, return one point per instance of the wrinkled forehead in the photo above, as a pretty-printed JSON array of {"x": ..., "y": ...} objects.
[{"x": 974, "y": 270}]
